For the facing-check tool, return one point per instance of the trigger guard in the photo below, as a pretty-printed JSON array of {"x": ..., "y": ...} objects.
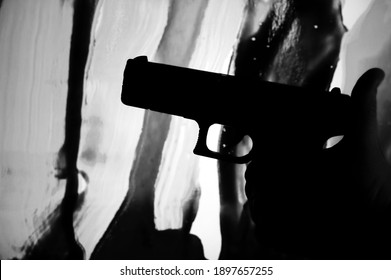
[{"x": 202, "y": 149}]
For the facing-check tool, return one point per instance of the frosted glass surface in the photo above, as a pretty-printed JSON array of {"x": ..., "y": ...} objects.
[{"x": 109, "y": 170}]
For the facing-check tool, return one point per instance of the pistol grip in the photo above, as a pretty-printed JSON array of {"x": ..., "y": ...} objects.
[{"x": 202, "y": 149}]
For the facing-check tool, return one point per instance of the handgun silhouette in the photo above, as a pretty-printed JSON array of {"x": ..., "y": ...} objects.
[{"x": 257, "y": 108}]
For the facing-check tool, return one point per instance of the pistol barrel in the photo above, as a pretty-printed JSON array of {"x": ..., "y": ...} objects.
[{"x": 229, "y": 100}]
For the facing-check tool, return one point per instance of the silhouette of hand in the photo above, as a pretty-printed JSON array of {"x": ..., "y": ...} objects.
[{"x": 331, "y": 203}]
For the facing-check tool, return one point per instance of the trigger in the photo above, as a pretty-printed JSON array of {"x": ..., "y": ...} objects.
[
  {"x": 201, "y": 148},
  {"x": 229, "y": 139},
  {"x": 235, "y": 142}
]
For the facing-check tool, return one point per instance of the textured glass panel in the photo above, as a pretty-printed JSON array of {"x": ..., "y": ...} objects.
[{"x": 84, "y": 176}]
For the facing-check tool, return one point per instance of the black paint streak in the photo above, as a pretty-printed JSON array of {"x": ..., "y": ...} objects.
[
  {"x": 298, "y": 43},
  {"x": 61, "y": 243},
  {"x": 255, "y": 53},
  {"x": 80, "y": 42},
  {"x": 132, "y": 233},
  {"x": 135, "y": 215}
]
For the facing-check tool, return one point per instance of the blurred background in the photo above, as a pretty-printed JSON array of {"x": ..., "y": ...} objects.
[{"x": 84, "y": 176}]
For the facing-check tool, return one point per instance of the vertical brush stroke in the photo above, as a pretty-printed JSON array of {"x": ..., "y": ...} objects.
[
  {"x": 317, "y": 32},
  {"x": 298, "y": 43},
  {"x": 129, "y": 235},
  {"x": 110, "y": 130},
  {"x": 257, "y": 47},
  {"x": 140, "y": 239},
  {"x": 175, "y": 182},
  {"x": 64, "y": 233},
  {"x": 34, "y": 50},
  {"x": 80, "y": 43},
  {"x": 181, "y": 32}
]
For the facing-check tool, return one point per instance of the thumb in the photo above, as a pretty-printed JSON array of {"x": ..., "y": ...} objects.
[{"x": 364, "y": 113}]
